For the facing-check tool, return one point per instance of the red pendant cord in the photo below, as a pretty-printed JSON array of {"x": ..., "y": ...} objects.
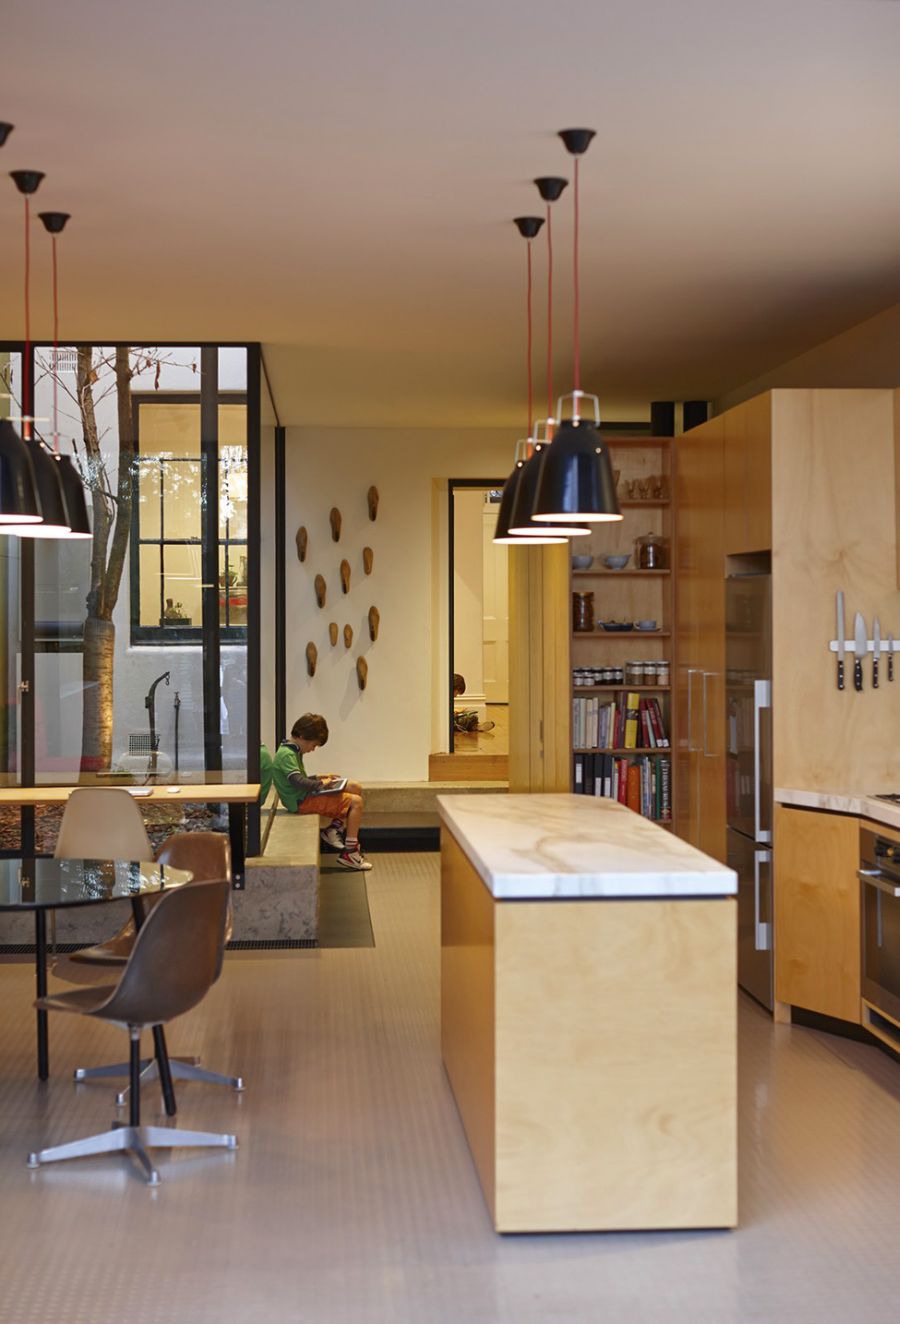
[
  {"x": 549, "y": 315},
  {"x": 576, "y": 339},
  {"x": 55, "y": 350},
  {"x": 26, "y": 411},
  {"x": 530, "y": 342}
]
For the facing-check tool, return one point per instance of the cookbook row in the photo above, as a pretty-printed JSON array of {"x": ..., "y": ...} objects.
[
  {"x": 626, "y": 722},
  {"x": 644, "y": 784}
]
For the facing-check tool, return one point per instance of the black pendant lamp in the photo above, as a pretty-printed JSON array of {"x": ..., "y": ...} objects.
[
  {"x": 73, "y": 490},
  {"x": 521, "y": 524},
  {"x": 576, "y": 480},
  {"x": 18, "y": 496},
  {"x": 54, "y": 521},
  {"x": 541, "y": 536},
  {"x": 534, "y": 535}
]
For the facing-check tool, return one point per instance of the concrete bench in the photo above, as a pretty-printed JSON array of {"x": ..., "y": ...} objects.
[{"x": 281, "y": 892}]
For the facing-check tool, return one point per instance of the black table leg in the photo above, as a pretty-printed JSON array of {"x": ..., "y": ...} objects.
[
  {"x": 40, "y": 947},
  {"x": 160, "y": 1049},
  {"x": 236, "y": 817}
]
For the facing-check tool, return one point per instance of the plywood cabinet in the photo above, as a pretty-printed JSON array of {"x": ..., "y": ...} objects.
[
  {"x": 817, "y": 940},
  {"x": 700, "y": 644},
  {"x": 747, "y": 442}
]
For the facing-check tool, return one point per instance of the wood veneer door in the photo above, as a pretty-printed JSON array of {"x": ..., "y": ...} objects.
[
  {"x": 817, "y": 935},
  {"x": 684, "y": 678}
]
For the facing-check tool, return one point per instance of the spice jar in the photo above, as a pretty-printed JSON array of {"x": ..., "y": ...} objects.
[
  {"x": 652, "y": 552},
  {"x": 583, "y": 612}
]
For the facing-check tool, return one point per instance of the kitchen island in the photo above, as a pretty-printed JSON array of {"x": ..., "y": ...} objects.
[{"x": 588, "y": 1014}]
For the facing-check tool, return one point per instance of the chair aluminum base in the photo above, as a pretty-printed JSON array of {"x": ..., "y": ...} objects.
[
  {"x": 136, "y": 1140},
  {"x": 182, "y": 1068}
]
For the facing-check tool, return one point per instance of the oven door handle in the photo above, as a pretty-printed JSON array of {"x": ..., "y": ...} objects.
[{"x": 877, "y": 879}]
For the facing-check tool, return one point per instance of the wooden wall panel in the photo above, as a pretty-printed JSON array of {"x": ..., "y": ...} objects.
[
  {"x": 467, "y": 1002},
  {"x": 817, "y": 935},
  {"x": 834, "y": 527},
  {"x": 539, "y": 669}
]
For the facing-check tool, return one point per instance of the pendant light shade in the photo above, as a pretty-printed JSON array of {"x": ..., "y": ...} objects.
[
  {"x": 55, "y": 523},
  {"x": 19, "y": 502},
  {"x": 576, "y": 479},
  {"x": 539, "y": 537},
  {"x": 73, "y": 494},
  {"x": 521, "y": 520}
]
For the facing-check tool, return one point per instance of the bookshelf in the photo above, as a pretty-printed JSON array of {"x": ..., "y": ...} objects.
[{"x": 646, "y": 487}]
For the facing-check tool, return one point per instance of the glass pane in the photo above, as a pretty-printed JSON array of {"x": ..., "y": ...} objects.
[
  {"x": 233, "y": 585},
  {"x": 184, "y": 606},
  {"x": 148, "y": 578},
  {"x": 181, "y": 499},
  {"x": 169, "y": 428},
  {"x": 149, "y": 483},
  {"x": 10, "y": 632}
]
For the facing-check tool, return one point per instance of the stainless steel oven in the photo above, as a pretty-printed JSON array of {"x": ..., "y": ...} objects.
[{"x": 879, "y": 875}]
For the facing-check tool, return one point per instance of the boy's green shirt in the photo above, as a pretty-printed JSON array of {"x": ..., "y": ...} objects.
[{"x": 287, "y": 760}]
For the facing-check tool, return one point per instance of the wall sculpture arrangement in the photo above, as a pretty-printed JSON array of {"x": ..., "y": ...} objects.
[{"x": 320, "y": 587}]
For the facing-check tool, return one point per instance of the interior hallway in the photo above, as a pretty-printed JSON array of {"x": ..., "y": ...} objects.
[{"x": 353, "y": 1197}]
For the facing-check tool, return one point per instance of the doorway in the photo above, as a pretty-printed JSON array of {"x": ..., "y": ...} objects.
[{"x": 478, "y": 680}]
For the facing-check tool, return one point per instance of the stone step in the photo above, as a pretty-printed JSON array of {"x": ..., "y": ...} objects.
[{"x": 419, "y": 797}]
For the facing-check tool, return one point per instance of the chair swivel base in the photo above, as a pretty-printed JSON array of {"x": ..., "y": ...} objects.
[
  {"x": 135, "y": 1140},
  {"x": 182, "y": 1068}
]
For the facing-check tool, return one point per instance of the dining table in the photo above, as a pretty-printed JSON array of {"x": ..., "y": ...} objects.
[{"x": 40, "y": 884}]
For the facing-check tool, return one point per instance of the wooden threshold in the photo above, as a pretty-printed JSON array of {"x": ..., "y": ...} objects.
[{"x": 468, "y": 767}]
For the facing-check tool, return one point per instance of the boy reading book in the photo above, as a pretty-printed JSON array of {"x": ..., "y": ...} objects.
[{"x": 326, "y": 795}]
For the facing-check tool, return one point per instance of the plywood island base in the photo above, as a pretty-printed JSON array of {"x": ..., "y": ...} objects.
[{"x": 591, "y": 1048}]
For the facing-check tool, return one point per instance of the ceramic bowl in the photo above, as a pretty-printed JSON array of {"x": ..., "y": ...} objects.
[
  {"x": 582, "y": 562},
  {"x": 616, "y": 562},
  {"x": 645, "y": 625},
  {"x": 616, "y": 627}
]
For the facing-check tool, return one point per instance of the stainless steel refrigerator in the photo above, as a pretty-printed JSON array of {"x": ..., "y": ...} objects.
[{"x": 748, "y": 686}]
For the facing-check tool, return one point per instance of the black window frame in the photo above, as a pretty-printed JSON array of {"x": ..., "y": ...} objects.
[{"x": 180, "y": 635}]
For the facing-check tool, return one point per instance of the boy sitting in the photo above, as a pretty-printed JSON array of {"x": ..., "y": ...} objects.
[{"x": 301, "y": 794}]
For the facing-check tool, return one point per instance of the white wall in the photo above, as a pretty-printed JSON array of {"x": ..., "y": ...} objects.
[
  {"x": 468, "y": 591},
  {"x": 387, "y": 732}
]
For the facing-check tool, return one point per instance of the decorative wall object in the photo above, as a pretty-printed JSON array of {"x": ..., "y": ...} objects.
[
  {"x": 348, "y": 636},
  {"x": 372, "y": 501},
  {"x": 374, "y": 620},
  {"x": 333, "y": 633},
  {"x": 368, "y": 560},
  {"x": 334, "y": 519},
  {"x": 302, "y": 540},
  {"x": 345, "y": 576},
  {"x": 312, "y": 655},
  {"x": 362, "y": 672},
  {"x": 321, "y": 590}
]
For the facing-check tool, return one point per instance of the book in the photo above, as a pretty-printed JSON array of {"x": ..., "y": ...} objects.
[{"x": 632, "y": 721}]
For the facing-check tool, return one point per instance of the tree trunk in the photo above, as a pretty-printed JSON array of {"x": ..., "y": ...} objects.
[{"x": 97, "y": 711}]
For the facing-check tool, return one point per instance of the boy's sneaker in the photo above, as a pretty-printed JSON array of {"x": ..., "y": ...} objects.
[
  {"x": 353, "y": 859},
  {"x": 332, "y": 837}
]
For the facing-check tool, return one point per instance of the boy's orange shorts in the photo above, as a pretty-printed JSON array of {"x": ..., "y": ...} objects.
[{"x": 336, "y": 805}]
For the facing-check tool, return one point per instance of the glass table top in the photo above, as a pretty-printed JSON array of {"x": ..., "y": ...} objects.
[{"x": 30, "y": 884}]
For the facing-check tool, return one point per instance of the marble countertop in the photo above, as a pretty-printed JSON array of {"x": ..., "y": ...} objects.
[
  {"x": 536, "y": 846},
  {"x": 842, "y": 802}
]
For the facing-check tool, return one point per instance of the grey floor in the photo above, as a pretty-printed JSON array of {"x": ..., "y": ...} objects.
[{"x": 353, "y": 1198}]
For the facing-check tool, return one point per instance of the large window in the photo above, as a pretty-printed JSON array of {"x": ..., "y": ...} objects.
[{"x": 170, "y": 494}]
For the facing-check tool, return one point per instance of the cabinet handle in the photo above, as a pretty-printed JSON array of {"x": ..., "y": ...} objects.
[
  {"x": 692, "y": 672},
  {"x": 707, "y": 752},
  {"x": 762, "y": 698},
  {"x": 762, "y": 931},
  {"x": 877, "y": 879}
]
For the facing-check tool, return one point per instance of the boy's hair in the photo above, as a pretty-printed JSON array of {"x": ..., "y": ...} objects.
[
  {"x": 459, "y": 683},
  {"x": 311, "y": 727}
]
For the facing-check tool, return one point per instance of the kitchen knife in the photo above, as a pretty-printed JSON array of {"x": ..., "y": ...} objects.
[
  {"x": 890, "y": 657},
  {"x": 841, "y": 636},
  {"x": 860, "y": 648},
  {"x": 876, "y": 651}
]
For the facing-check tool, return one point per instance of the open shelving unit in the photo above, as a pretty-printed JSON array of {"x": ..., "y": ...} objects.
[{"x": 630, "y": 594}]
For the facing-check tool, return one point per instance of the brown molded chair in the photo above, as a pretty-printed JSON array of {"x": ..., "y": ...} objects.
[
  {"x": 176, "y": 958},
  {"x": 206, "y": 855}
]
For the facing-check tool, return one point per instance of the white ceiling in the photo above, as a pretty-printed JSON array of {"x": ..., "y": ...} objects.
[{"x": 336, "y": 178}]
